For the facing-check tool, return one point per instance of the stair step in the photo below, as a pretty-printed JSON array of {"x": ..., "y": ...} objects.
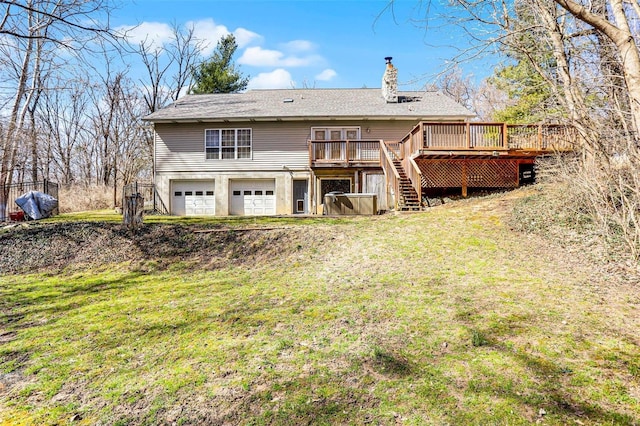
[{"x": 408, "y": 197}]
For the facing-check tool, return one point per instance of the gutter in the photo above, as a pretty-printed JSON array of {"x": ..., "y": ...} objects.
[{"x": 464, "y": 118}]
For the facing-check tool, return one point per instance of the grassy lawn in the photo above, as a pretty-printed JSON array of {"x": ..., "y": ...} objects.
[{"x": 441, "y": 317}]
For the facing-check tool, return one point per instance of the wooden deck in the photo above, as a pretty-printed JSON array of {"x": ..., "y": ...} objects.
[
  {"x": 448, "y": 155},
  {"x": 447, "y": 139},
  {"x": 477, "y": 155}
]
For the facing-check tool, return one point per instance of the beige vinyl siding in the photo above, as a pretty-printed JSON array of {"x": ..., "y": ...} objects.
[
  {"x": 391, "y": 131},
  {"x": 180, "y": 147}
]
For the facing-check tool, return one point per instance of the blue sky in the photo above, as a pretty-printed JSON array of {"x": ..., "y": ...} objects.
[{"x": 312, "y": 43}]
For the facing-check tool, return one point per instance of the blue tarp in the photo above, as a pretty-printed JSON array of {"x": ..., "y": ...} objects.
[{"x": 37, "y": 205}]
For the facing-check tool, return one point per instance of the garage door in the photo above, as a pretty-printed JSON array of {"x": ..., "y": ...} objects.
[
  {"x": 253, "y": 197},
  {"x": 193, "y": 198}
]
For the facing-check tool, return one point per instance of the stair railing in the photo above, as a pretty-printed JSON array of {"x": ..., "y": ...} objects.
[
  {"x": 411, "y": 146},
  {"x": 393, "y": 177},
  {"x": 415, "y": 176}
]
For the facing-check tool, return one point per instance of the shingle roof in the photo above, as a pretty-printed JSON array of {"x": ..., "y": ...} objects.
[{"x": 292, "y": 104}]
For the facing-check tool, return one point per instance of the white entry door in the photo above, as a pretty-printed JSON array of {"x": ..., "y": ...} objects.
[
  {"x": 193, "y": 198},
  {"x": 253, "y": 197}
]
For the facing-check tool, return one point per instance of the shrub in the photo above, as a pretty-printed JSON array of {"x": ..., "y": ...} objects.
[{"x": 78, "y": 198}]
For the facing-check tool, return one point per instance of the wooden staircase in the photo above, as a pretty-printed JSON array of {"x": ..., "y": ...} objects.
[{"x": 408, "y": 197}]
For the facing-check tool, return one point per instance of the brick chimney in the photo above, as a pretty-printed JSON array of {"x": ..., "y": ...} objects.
[{"x": 390, "y": 82}]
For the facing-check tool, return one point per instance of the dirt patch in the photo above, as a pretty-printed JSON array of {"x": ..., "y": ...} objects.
[{"x": 50, "y": 247}]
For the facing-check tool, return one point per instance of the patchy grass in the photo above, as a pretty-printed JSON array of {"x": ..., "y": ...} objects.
[{"x": 442, "y": 317}]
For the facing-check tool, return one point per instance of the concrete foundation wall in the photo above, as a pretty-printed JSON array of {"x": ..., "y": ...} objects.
[{"x": 283, "y": 186}]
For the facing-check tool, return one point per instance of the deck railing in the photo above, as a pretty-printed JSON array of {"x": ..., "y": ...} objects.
[
  {"x": 493, "y": 137},
  {"x": 462, "y": 136},
  {"x": 538, "y": 137},
  {"x": 345, "y": 152}
]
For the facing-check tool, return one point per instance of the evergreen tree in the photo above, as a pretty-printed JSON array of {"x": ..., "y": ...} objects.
[
  {"x": 530, "y": 99},
  {"x": 530, "y": 78},
  {"x": 219, "y": 74}
]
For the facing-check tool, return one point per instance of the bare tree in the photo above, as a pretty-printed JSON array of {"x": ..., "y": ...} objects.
[
  {"x": 618, "y": 30},
  {"x": 168, "y": 70},
  {"x": 168, "y": 67},
  {"x": 80, "y": 19},
  {"x": 457, "y": 86},
  {"x": 63, "y": 115},
  {"x": 34, "y": 33},
  {"x": 121, "y": 154}
]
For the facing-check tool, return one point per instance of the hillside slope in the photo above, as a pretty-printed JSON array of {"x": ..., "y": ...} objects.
[{"x": 442, "y": 317}]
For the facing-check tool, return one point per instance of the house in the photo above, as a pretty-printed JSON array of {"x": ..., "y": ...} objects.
[{"x": 278, "y": 152}]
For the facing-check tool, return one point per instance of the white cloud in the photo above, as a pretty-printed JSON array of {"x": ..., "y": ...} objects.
[
  {"x": 207, "y": 31},
  {"x": 245, "y": 37},
  {"x": 326, "y": 75},
  {"x": 154, "y": 33},
  {"x": 276, "y": 79},
  {"x": 210, "y": 33},
  {"x": 259, "y": 57},
  {"x": 299, "y": 46}
]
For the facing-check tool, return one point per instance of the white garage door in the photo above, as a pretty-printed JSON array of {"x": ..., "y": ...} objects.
[
  {"x": 253, "y": 197},
  {"x": 193, "y": 198}
]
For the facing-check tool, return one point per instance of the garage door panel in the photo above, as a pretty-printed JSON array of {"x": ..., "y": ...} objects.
[
  {"x": 193, "y": 198},
  {"x": 253, "y": 197}
]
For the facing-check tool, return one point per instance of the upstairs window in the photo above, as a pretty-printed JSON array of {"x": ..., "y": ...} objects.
[{"x": 227, "y": 144}]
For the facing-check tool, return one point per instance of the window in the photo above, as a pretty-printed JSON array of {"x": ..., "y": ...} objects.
[
  {"x": 212, "y": 144},
  {"x": 244, "y": 143},
  {"x": 352, "y": 133},
  {"x": 335, "y": 133},
  {"x": 227, "y": 144}
]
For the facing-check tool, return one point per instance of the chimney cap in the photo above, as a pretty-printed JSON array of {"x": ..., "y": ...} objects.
[{"x": 388, "y": 59}]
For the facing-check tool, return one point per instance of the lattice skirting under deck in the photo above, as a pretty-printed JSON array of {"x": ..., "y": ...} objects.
[{"x": 472, "y": 173}]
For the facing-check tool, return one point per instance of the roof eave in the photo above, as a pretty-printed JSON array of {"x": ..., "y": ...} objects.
[{"x": 458, "y": 117}]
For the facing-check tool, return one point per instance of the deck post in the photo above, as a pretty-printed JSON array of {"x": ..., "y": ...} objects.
[
  {"x": 346, "y": 147},
  {"x": 505, "y": 136},
  {"x": 464, "y": 178},
  {"x": 539, "y": 137},
  {"x": 468, "y": 135},
  {"x": 310, "y": 153}
]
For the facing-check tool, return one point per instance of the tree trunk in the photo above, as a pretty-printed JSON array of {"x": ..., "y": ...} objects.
[{"x": 626, "y": 45}]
